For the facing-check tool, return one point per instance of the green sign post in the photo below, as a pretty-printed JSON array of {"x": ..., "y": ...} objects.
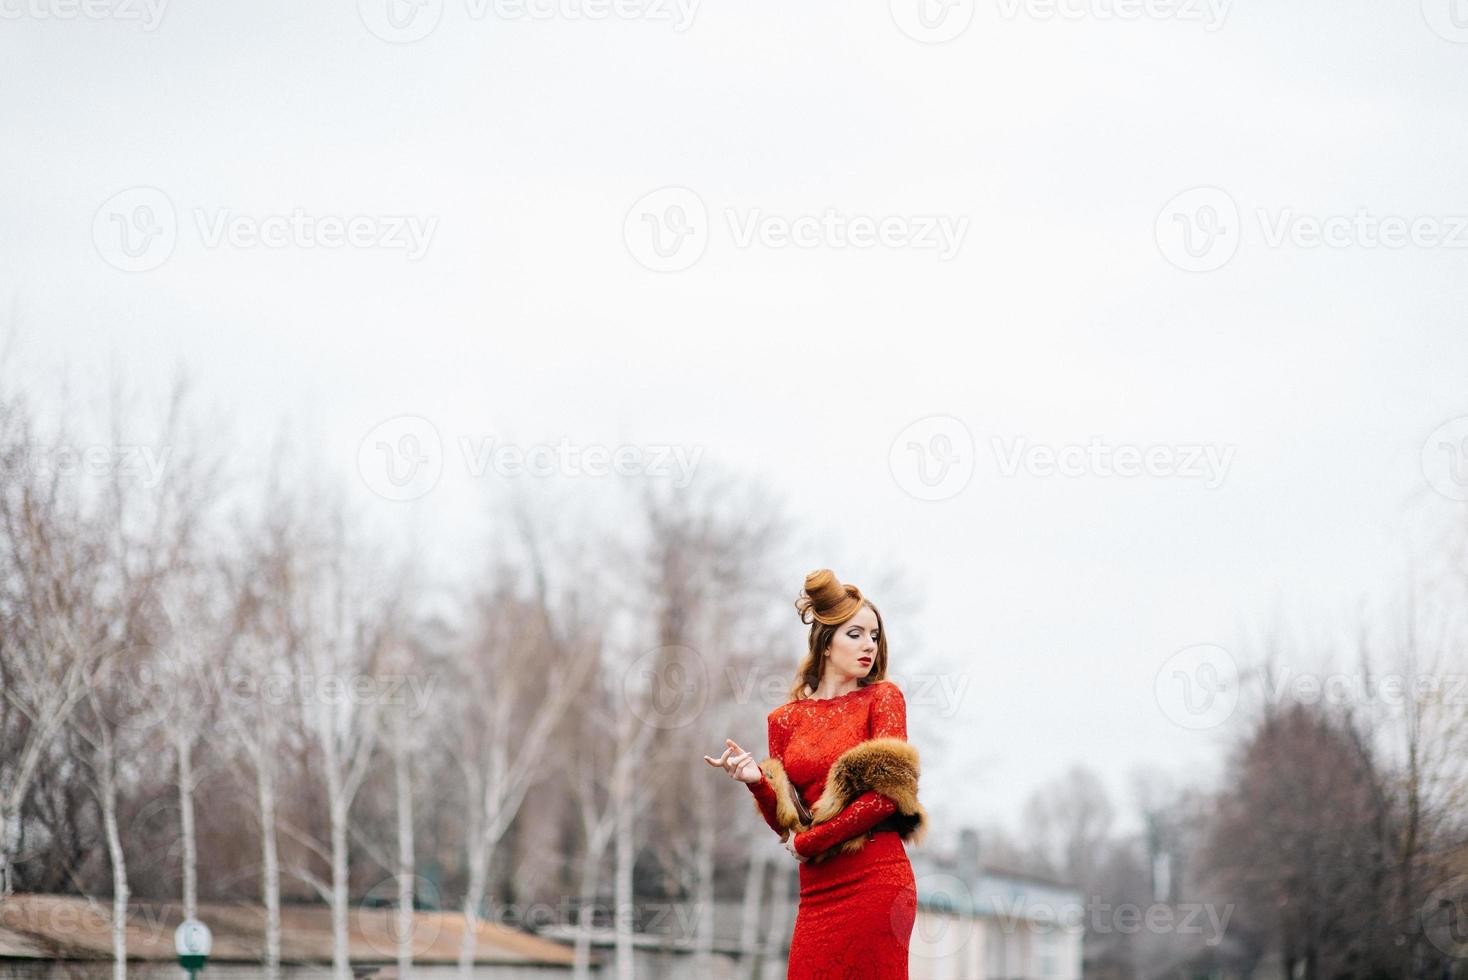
[{"x": 193, "y": 941}]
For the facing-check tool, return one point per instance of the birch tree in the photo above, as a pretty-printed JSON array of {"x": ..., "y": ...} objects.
[
  {"x": 514, "y": 657},
  {"x": 709, "y": 590},
  {"x": 349, "y": 623},
  {"x": 260, "y": 734},
  {"x": 410, "y": 729},
  {"x": 778, "y": 934},
  {"x": 181, "y": 688},
  {"x": 752, "y": 901},
  {"x": 257, "y": 665},
  {"x": 185, "y": 673},
  {"x": 609, "y": 795},
  {"x": 103, "y": 735},
  {"x": 401, "y": 748},
  {"x": 47, "y": 657}
]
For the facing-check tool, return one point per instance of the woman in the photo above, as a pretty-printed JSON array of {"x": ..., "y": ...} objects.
[{"x": 840, "y": 788}]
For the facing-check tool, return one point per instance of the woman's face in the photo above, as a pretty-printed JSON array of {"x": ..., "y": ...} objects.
[{"x": 854, "y": 647}]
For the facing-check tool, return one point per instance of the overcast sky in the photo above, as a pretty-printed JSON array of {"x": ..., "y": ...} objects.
[{"x": 935, "y": 274}]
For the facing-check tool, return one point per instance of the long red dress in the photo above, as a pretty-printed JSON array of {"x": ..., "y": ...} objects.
[{"x": 856, "y": 911}]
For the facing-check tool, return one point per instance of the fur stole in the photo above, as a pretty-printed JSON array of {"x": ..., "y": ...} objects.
[{"x": 887, "y": 765}]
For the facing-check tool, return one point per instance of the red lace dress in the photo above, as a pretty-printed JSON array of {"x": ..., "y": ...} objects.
[{"x": 856, "y": 911}]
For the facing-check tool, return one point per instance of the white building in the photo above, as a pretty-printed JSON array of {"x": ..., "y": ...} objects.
[
  {"x": 980, "y": 924},
  {"x": 50, "y": 937}
]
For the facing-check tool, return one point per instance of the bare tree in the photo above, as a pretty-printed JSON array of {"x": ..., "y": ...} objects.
[
  {"x": 1069, "y": 823},
  {"x": 774, "y": 958},
  {"x": 260, "y": 733},
  {"x": 193, "y": 626},
  {"x": 348, "y": 626},
  {"x": 759, "y": 848},
  {"x": 103, "y": 733},
  {"x": 88, "y": 560},
  {"x": 523, "y": 666},
  {"x": 258, "y": 665},
  {"x": 47, "y": 656},
  {"x": 1299, "y": 839},
  {"x": 602, "y": 772},
  {"x": 1413, "y": 718},
  {"x": 410, "y": 728},
  {"x": 197, "y": 634}
]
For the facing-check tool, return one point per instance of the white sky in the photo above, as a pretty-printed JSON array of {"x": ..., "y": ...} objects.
[{"x": 1060, "y": 318}]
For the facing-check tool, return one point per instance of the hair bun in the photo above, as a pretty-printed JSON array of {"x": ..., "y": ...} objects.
[{"x": 825, "y": 600}]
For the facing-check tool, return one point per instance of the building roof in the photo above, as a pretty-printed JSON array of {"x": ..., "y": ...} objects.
[
  {"x": 994, "y": 893},
  {"x": 75, "y": 927},
  {"x": 17, "y": 945}
]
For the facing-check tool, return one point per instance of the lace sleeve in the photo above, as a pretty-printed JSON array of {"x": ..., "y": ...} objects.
[
  {"x": 764, "y": 793},
  {"x": 860, "y": 816},
  {"x": 889, "y": 713}
]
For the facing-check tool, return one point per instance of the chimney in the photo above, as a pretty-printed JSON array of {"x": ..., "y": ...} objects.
[{"x": 968, "y": 853}]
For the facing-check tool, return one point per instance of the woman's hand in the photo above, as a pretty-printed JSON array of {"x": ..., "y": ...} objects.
[
  {"x": 790, "y": 846},
  {"x": 737, "y": 763}
]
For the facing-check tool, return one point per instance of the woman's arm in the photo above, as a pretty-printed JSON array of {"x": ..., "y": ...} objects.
[
  {"x": 764, "y": 793},
  {"x": 888, "y": 719},
  {"x": 860, "y": 816}
]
